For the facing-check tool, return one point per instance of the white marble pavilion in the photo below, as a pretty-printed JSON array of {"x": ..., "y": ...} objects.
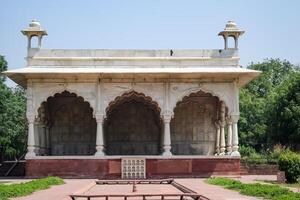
[{"x": 105, "y": 105}]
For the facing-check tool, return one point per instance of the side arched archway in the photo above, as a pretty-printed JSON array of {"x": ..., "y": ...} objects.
[
  {"x": 133, "y": 125},
  {"x": 193, "y": 130},
  {"x": 65, "y": 126}
]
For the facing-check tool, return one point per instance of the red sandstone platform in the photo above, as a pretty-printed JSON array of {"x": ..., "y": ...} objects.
[{"x": 111, "y": 168}]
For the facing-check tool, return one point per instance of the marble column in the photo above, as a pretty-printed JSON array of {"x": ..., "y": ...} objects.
[
  {"x": 229, "y": 137},
  {"x": 39, "y": 41},
  {"x": 37, "y": 137},
  {"x": 99, "y": 136},
  {"x": 167, "y": 136},
  {"x": 43, "y": 140},
  {"x": 222, "y": 129},
  {"x": 31, "y": 139},
  {"x": 222, "y": 139},
  {"x": 217, "y": 125},
  {"x": 48, "y": 143},
  {"x": 235, "y": 136}
]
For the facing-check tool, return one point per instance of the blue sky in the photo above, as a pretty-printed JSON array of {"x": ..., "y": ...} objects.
[{"x": 272, "y": 26}]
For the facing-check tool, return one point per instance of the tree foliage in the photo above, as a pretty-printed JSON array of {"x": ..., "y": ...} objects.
[
  {"x": 12, "y": 117},
  {"x": 284, "y": 113},
  {"x": 270, "y": 106}
]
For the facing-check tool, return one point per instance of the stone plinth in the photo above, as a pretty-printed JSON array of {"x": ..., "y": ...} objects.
[{"x": 111, "y": 168}]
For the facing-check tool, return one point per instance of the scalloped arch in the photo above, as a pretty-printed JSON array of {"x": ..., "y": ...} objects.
[
  {"x": 54, "y": 92},
  {"x": 126, "y": 96},
  {"x": 221, "y": 97}
]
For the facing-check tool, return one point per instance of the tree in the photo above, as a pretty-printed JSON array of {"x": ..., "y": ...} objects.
[
  {"x": 284, "y": 115},
  {"x": 3, "y": 67},
  {"x": 274, "y": 73},
  {"x": 12, "y": 117},
  {"x": 256, "y": 100}
]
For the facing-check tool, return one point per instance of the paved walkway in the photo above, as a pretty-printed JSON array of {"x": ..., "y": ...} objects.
[
  {"x": 213, "y": 192},
  {"x": 256, "y": 178},
  {"x": 59, "y": 192},
  {"x": 261, "y": 179}
]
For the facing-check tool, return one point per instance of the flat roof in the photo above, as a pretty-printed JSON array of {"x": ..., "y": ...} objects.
[{"x": 216, "y": 73}]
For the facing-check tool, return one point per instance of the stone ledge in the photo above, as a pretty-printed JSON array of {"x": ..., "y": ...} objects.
[{"x": 111, "y": 168}]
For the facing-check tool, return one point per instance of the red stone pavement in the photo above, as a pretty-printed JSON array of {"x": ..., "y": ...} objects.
[
  {"x": 59, "y": 192},
  {"x": 79, "y": 185}
]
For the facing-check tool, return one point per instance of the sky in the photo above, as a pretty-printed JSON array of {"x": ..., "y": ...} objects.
[{"x": 272, "y": 26}]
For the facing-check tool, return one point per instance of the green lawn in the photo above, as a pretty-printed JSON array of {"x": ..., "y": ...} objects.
[
  {"x": 273, "y": 192},
  {"x": 292, "y": 185},
  {"x": 22, "y": 189}
]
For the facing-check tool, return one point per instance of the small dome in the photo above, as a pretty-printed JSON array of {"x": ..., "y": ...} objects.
[
  {"x": 230, "y": 25},
  {"x": 34, "y": 23}
]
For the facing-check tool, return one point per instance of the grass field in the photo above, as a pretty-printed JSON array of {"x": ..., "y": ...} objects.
[
  {"x": 22, "y": 189},
  {"x": 267, "y": 191}
]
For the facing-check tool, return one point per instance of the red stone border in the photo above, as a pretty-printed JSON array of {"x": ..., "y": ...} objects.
[{"x": 111, "y": 168}]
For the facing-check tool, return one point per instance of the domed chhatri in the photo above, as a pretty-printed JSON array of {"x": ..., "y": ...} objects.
[
  {"x": 231, "y": 30},
  {"x": 34, "y": 30}
]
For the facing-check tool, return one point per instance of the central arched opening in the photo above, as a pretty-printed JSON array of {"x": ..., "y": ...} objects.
[
  {"x": 65, "y": 126},
  {"x": 133, "y": 126},
  {"x": 193, "y": 128}
]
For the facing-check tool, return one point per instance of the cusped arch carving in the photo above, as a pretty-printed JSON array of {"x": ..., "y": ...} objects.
[
  {"x": 113, "y": 90},
  {"x": 44, "y": 102},
  {"x": 44, "y": 97},
  {"x": 186, "y": 93},
  {"x": 130, "y": 96}
]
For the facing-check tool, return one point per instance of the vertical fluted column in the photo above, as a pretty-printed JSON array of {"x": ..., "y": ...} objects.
[
  {"x": 235, "y": 136},
  {"x": 225, "y": 42},
  {"x": 28, "y": 42},
  {"x": 43, "y": 139},
  {"x": 99, "y": 135},
  {"x": 222, "y": 129},
  {"x": 37, "y": 137},
  {"x": 229, "y": 137},
  {"x": 39, "y": 41},
  {"x": 167, "y": 136},
  {"x": 48, "y": 144},
  {"x": 31, "y": 139},
  {"x": 217, "y": 125}
]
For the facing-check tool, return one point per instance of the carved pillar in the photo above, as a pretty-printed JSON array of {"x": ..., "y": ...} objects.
[
  {"x": 229, "y": 137},
  {"x": 217, "y": 125},
  {"x": 43, "y": 141},
  {"x": 235, "y": 136},
  {"x": 222, "y": 131},
  {"x": 28, "y": 43},
  {"x": 167, "y": 115},
  {"x": 225, "y": 42},
  {"x": 31, "y": 140},
  {"x": 39, "y": 41},
  {"x": 167, "y": 136},
  {"x": 99, "y": 136},
  {"x": 37, "y": 136}
]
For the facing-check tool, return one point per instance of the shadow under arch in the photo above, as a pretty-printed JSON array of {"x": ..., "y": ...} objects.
[
  {"x": 133, "y": 125},
  {"x": 69, "y": 126},
  {"x": 193, "y": 128}
]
